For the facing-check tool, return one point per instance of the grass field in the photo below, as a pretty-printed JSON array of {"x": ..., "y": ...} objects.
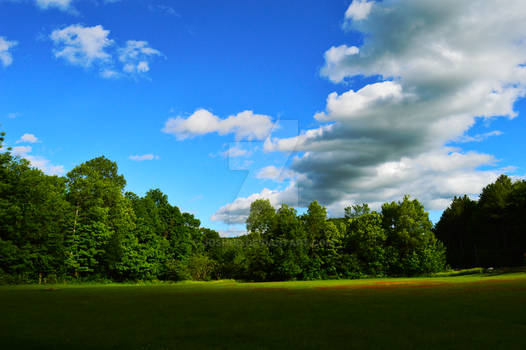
[{"x": 465, "y": 312}]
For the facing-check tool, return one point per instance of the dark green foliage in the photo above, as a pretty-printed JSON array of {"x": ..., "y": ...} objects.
[
  {"x": 487, "y": 232},
  {"x": 83, "y": 226},
  {"x": 356, "y": 210},
  {"x": 366, "y": 241},
  {"x": 412, "y": 246}
]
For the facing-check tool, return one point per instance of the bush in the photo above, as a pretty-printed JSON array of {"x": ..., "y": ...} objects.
[{"x": 177, "y": 270}]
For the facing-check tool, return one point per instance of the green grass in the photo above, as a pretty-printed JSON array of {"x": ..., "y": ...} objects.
[{"x": 464, "y": 312}]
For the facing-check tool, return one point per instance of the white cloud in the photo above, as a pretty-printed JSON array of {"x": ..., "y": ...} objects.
[
  {"x": 442, "y": 66},
  {"x": 59, "y": 4},
  {"x": 91, "y": 47},
  {"x": 276, "y": 174},
  {"x": 13, "y": 115},
  {"x": 235, "y": 151},
  {"x": 237, "y": 211},
  {"x": 143, "y": 157},
  {"x": 21, "y": 150},
  {"x": 135, "y": 56},
  {"x": 5, "y": 55},
  {"x": 244, "y": 125},
  {"x": 30, "y": 138},
  {"x": 82, "y": 46},
  {"x": 478, "y": 137},
  {"x": 233, "y": 231},
  {"x": 45, "y": 165},
  {"x": 64, "y": 5},
  {"x": 163, "y": 9},
  {"x": 359, "y": 10},
  {"x": 37, "y": 161}
]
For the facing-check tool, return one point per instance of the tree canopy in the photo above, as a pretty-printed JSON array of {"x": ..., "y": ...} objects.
[{"x": 84, "y": 226}]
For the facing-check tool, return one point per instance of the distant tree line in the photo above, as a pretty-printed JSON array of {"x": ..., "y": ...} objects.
[
  {"x": 282, "y": 245},
  {"x": 84, "y": 226},
  {"x": 490, "y": 231}
]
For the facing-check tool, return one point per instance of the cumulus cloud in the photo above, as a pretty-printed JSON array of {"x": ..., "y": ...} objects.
[
  {"x": 441, "y": 66},
  {"x": 478, "y": 137},
  {"x": 30, "y": 138},
  {"x": 245, "y": 125},
  {"x": 237, "y": 211},
  {"x": 63, "y": 5},
  {"x": 359, "y": 10},
  {"x": 5, "y": 55},
  {"x": 135, "y": 56},
  {"x": 276, "y": 174},
  {"x": 37, "y": 161},
  {"x": 59, "y": 4},
  {"x": 45, "y": 165},
  {"x": 235, "y": 151},
  {"x": 82, "y": 46},
  {"x": 21, "y": 150},
  {"x": 143, "y": 157},
  {"x": 91, "y": 47}
]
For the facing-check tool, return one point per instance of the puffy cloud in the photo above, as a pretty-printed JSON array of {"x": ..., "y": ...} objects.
[
  {"x": 37, "y": 161},
  {"x": 135, "y": 56},
  {"x": 478, "y": 137},
  {"x": 143, "y": 157},
  {"x": 235, "y": 151},
  {"x": 276, "y": 174},
  {"x": 59, "y": 4},
  {"x": 63, "y": 5},
  {"x": 441, "y": 65},
  {"x": 82, "y": 46},
  {"x": 21, "y": 150},
  {"x": 30, "y": 138},
  {"x": 244, "y": 125},
  {"x": 358, "y": 10},
  {"x": 45, "y": 165},
  {"x": 91, "y": 46},
  {"x": 5, "y": 55},
  {"x": 13, "y": 115},
  {"x": 237, "y": 211}
]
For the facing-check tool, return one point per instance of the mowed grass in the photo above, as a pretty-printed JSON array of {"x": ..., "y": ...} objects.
[{"x": 466, "y": 312}]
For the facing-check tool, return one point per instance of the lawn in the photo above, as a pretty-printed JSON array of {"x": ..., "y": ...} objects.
[{"x": 478, "y": 312}]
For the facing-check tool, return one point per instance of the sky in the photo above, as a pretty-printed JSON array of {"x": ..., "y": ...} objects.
[{"x": 219, "y": 103}]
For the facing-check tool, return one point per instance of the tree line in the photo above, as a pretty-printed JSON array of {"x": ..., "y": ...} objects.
[
  {"x": 490, "y": 231},
  {"x": 84, "y": 226}
]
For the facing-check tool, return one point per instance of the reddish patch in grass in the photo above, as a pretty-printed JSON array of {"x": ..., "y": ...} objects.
[
  {"x": 489, "y": 283},
  {"x": 386, "y": 285},
  {"x": 263, "y": 289}
]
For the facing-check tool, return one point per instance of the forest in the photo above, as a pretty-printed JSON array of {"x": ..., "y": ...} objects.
[{"x": 85, "y": 227}]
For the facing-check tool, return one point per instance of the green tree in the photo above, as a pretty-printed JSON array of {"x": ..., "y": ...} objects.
[
  {"x": 33, "y": 214},
  {"x": 356, "y": 210},
  {"x": 409, "y": 232},
  {"x": 261, "y": 217},
  {"x": 455, "y": 229},
  {"x": 367, "y": 240},
  {"x": 288, "y": 245},
  {"x": 95, "y": 191}
]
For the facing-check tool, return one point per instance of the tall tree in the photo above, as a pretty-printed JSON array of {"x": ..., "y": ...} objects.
[
  {"x": 410, "y": 239},
  {"x": 261, "y": 217},
  {"x": 95, "y": 191}
]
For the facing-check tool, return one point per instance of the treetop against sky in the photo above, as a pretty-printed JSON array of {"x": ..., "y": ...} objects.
[{"x": 222, "y": 103}]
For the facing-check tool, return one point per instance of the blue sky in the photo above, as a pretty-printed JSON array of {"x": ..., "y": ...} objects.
[{"x": 331, "y": 100}]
